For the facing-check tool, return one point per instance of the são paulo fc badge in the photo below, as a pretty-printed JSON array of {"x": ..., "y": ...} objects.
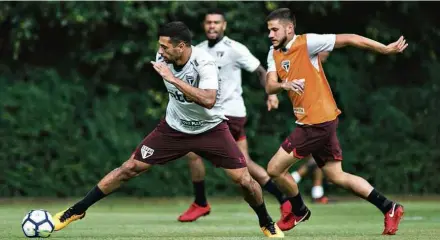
[
  {"x": 146, "y": 151},
  {"x": 190, "y": 80},
  {"x": 285, "y": 65}
]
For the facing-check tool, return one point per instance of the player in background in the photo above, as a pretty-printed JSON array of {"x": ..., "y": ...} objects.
[
  {"x": 194, "y": 122},
  {"x": 231, "y": 56},
  {"x": 295, "y": 61}
]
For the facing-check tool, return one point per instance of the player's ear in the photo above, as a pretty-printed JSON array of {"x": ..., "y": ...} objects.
[
  {"x": 224, "y": 26},
  {"x": 290, "y": 28},
  {"x": 181, "y": 46}
]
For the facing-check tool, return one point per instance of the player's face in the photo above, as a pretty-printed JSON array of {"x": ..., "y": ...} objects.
[
  {"x": 278, "y": 32},
  {"x": 169, "y": 52},
  {"x": 214, "y": 25}
]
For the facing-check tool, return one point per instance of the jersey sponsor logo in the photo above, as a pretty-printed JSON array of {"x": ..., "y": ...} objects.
[
  {"x": 146, "y": 152},
  {"x": 179, "y": 97},
  {"x": 299, "y": 110},
  {"x": 220, "y": 54},
  {"x": 191, "y": 124},
  {"x": 285, "y": 65}
]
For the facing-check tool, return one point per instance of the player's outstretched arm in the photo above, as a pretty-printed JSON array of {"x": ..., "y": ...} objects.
[
  {"x": 261, "y": 72},
  {"x": 272, "y": 84},
  {"x": 203, "y": 97},
  {"x": 355, "y": 40},
  {"x": 272, "y": 101}
]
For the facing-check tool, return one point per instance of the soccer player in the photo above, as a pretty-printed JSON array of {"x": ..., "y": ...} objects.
[
  {"x": 194, "y": 122},
  {"x": 231, "y": 56},
  {"x": 317, "y": 192},
  {"x": 293, "y": 59}
]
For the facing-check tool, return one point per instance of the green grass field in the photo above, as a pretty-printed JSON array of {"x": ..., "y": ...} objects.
[{"x": 122, "y": 218}]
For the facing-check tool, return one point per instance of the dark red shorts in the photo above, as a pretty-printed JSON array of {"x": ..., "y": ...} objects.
[
  {"x": 236, "y": 126},
  {"x": 320, "y": 140},
  {"x": 165, "y": 144}
]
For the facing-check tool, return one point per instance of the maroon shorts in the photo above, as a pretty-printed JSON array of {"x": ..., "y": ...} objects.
[
  {"x": 165, "y": 144},
  {"x": 320, "y": 140},
  {"x": 236, "y": 126}
]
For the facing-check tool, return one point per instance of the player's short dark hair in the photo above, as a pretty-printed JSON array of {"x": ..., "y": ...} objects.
[
  {"x": 216, "y": 11},
  {"x": 283, "y": 14},
  {"x": 177, "y": 31}
]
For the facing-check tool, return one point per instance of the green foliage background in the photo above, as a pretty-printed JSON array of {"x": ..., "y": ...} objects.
[{"x": 77, "y": 92}]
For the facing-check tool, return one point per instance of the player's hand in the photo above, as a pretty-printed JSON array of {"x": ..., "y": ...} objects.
[
  {"x": 272, "y": 102},
  {"x": 396, "y": 47},
  {"x": 164, "y": 71},
  {"x": 296, "y": 85}
]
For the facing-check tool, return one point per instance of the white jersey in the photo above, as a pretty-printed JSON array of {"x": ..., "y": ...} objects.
[
  {"x": 186, "y": 116},
  {"x": 231, "y": 57}
]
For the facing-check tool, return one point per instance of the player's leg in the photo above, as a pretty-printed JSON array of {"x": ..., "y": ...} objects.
[
  {"x": 197, "y": 169},
  {"x": 237, "y": 128},
  {"x": 219, "y": 147},
  {"x": 392, "y": 211},
  {"x": 253, "y": 195},
  {"x": 278, "y": 170},
  {"x": 111, "y": 182},
  {"x": 300, "y": 173},
  {"x": 200, "y": 206},
  {"x": 329, "y": 159},
  {"x": 317, "y": 191},
  {"x": 260, "y": 174},
  {"x": 156, "y": 148},
  {"x": 262, "y": 177}
]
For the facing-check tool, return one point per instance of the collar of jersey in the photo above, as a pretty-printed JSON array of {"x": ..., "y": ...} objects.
[
  {"x": 187, "y": 63},
  {"x": 289, "y": 44}
]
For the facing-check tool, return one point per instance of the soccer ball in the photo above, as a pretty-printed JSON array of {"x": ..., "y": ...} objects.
[{"x": 37, "y": 223}]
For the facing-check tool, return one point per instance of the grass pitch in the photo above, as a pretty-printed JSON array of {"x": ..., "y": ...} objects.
[{"x": 130, "y": 218}]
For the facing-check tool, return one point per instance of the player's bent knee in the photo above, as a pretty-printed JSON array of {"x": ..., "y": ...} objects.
[
  {"x": 130, "y": 169},
  {"x": 245, "y": 179},
  {"x": 273, "y": 170},
  {"x": 238, "y": 176},
  {"x": 192, "y": 157},
  {"x": 338, "y": 179}
]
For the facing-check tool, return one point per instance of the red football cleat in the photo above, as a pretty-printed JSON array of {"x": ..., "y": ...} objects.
[
  {"x": 392, "y": 219},
  {"x": 285, "y": 209},
  {"x": 321, "y": 200},
  {"x": 194, "y": 212},
  {"x": 290, "y": 220}
]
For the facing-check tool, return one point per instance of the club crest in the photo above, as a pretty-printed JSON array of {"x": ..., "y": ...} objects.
[
  {"x": 190, "y": 80},
  {"x": 285, "y": 65}
]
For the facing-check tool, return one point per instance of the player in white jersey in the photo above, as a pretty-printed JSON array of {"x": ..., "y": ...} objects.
[
  {"x": 231, "y": 57},
  {"x": 194, "y": 122}
]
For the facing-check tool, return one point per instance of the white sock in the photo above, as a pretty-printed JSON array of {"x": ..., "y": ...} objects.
[
  {"x": 296, "y": 176},
  {"x": 317, "y": 191}
]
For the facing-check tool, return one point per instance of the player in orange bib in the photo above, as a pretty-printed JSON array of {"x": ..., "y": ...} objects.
[{"x": 294, "y": 59}]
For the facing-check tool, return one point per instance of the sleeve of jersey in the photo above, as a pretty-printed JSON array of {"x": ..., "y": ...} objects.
[
  {"x": 317, "y": 43},
  {"x": 270, "y": 61},
  {"x": 246, "y": 60},
  {"x": 208, "y": 73}
]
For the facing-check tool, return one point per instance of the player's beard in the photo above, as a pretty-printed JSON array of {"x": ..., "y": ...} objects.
[
  {"x": 212, "y": 42},
  {"x": 281, "y": 43}
]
